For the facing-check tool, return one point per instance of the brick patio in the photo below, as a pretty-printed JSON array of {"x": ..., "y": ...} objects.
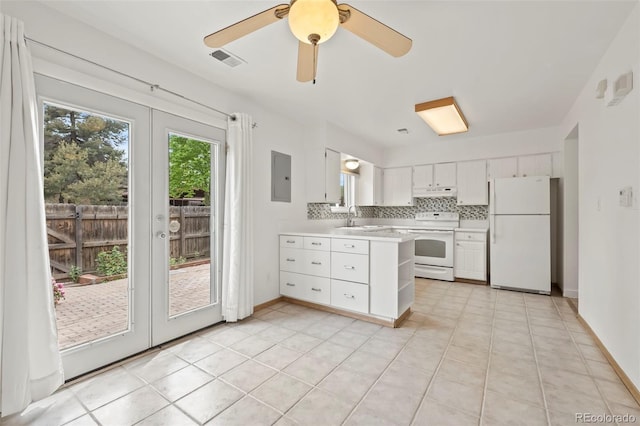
[{"x": 94, "y": 311}]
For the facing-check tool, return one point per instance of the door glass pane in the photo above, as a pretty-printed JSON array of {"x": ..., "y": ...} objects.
[
  {"x": 431, "y": 248},
  {"x": 86, "y": 181},
  {"x": 191, "y": 162}
]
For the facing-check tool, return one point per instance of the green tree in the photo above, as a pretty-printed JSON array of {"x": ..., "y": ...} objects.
[
  {"x": 85, "y": 157},
  {"x": 189, "y": 167},
  {"x": 71, "y": 179}
]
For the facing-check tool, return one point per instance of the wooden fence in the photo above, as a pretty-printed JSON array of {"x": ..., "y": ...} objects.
[{"x": 76, "y": 234}]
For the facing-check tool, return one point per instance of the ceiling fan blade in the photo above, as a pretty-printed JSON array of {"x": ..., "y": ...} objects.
[
  {"x": 373, "y": 31},
  {"x": 246, "y": 26},
  {"x": 307, "y": 62}
]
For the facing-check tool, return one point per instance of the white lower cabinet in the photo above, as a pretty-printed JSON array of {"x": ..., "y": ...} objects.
[
  {"x": 470, "y": 258},
  {"x": 369, "y": 277},
  {"x": 351, "y": 296},
  {"x": 305, "y": 287}
]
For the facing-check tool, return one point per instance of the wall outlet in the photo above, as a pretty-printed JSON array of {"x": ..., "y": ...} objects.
[{"x": 626, "y": 196}]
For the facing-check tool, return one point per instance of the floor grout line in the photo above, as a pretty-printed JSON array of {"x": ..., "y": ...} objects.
[{"x": 486, "y": 377}]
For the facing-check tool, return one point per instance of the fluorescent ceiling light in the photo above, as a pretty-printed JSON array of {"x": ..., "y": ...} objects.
[{"x": 443, "y": 116}]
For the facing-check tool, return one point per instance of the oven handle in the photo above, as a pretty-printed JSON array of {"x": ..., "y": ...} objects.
[{"x": 435, "y": 231}]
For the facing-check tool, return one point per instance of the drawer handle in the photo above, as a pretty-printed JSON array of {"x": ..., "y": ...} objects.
[
  {"x": 290, "y": 259},
  {"x": 349, "y": 246},
  {"x": 316, "y": 244},
  {"x": 349, "y": 296},
  {"x": 291, "y": 285},
  {"x": 349, "y": 267},
  {"x": 316, "y": 289},
  {"x": 316, "y": 263},
  {"x": 291, "y": 241}
]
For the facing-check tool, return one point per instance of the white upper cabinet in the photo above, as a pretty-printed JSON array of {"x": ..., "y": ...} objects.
[
  {"x": 502, "y": 168},
  {"x": 369, "y": 185},
  {"x": 397, "y": 186},
  {"x": 378, "y": 192},
  {"x": 472, "y": 183},
  {"x": 534, "y": 165},
  {"x": 422, "y": 179},
  {"x": 332, "y": 176},
  {"x": 444, "y": 175}
]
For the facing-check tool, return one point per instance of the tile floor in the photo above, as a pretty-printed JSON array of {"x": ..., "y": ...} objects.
[{"x": 467, "y": 355}]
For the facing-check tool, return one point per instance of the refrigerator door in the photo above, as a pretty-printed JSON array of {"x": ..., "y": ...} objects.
[
  {"x": 526, "y": 195},
  {"x": 521, "y": 252}
]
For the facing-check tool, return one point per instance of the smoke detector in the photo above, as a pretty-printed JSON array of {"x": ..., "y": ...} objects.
[{"x": 227, "y": 58}]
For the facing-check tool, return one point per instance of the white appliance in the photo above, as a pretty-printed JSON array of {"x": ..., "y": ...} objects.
[
  {"x": 520, "y": 226},
  {"x": 434, "y": 245},
  {"x": 443, "y": 191}
]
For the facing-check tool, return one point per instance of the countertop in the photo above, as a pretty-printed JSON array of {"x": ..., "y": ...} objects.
[
  {"x": 479, "y": 230},
  {"x": 386, "y": 235}
]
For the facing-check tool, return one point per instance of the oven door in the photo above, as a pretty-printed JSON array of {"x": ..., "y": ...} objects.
[{"x": 434, "y": 248}]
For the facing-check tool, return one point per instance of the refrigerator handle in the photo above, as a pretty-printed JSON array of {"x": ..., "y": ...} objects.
[{"x": 492, "y": 225}]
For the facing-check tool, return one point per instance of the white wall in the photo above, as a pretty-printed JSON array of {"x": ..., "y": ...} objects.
[
  {"x": 274, "y": 132},
  {"x": 609, "y": 158},
  {"x": 570, "y": 219},
  {"x": 461, "y": 148}
]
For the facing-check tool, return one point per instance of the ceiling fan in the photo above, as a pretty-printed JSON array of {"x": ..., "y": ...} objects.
[{"x": 313, "y": 22}]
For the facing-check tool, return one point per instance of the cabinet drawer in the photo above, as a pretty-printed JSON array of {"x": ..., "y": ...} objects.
[
  {"x": 316, "y": 263},
  {"x": 350, "y": 246},
  {"x": 352, "y": 296},
  {"x": 292, "y": 285},
  {"x": 471, "y": 236},
  {"x": 317, "y": 243},
  {"x": 292, "y": 259},
  {"x": 350, "y": 267},
  {"x": 292, "y": 241},
  {"x": 317, "y": 290}
]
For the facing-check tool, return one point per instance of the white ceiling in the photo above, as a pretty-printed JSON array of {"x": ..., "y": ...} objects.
[{"x": 511, "y": 65}]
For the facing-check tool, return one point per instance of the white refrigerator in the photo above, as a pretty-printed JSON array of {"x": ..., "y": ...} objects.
[{"x": 520, "y": 234}]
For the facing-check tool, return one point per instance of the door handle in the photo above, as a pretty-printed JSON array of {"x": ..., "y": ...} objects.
[{"x": 162, "y": 235}]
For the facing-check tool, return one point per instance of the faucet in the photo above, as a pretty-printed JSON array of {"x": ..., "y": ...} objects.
[{"x": 350, "y": 220}]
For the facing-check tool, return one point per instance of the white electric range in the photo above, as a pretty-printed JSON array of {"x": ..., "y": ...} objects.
[{"x": 434, "y": 244}]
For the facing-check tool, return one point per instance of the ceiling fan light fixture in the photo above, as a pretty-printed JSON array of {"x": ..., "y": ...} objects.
[
  {"x": 443, "y": 116},
  {"x": 311, "y": 18}
]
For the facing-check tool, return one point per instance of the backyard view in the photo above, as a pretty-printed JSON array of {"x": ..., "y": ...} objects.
[{"x": 86, "y": 186}]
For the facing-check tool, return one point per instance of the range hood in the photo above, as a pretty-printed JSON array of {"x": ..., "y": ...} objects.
[{"x": 445, "y": 191}]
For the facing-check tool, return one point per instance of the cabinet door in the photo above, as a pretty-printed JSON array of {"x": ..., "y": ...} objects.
[
  {"x": 534, "y": 165},
  {"x": 472, "y": 183},
  {"x": 502, "y": 168},
  {"x": 444, "y": 175},
  {"x": 470, "y": 260},
  {"x": 397, "y": 184},
  {"x": 378, "y": 195},
  {"x": 422, "y": 178},
  {"x": 332, "y": 176}
]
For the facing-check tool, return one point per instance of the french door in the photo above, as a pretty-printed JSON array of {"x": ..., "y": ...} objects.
[
  {"x": 188, "y": 192},
  {"x": 133, "y": 199}
]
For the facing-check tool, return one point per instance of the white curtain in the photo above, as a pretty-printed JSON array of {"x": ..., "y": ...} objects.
[
  {"x": 237, "y": 270},
  {"x": 30, "y": 362}
]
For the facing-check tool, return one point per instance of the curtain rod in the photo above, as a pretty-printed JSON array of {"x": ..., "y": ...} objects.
[{"x": 152, "y": 86}]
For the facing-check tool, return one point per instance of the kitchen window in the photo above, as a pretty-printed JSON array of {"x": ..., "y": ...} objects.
[{"x": 348, "y": 193}]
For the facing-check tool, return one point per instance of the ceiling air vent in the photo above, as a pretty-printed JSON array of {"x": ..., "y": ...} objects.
[{"x": 227, "y": 58}]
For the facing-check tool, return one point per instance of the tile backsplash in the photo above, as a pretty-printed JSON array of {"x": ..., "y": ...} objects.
[{"x": 439, "y": 204}]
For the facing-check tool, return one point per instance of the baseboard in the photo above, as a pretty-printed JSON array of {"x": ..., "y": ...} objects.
[
  {"x": 572, "y": 294},
  {"x": 271, "y": 302},
  {"x": 470, "y": 281},
  {"x": 375, "y": 320},
  {"x": 619, "y": 371}
]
